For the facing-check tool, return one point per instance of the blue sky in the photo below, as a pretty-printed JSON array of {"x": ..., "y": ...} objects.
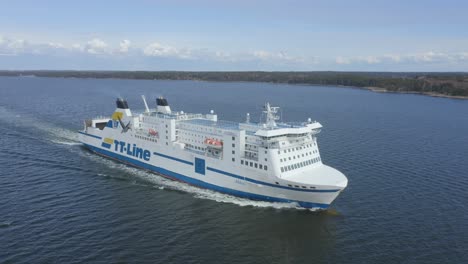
[{"x": 235, "y": 35}]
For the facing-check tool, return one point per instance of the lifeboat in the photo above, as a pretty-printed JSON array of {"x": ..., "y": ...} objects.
[
  {"x": 153, "y": 133},
  {"x": 212, "y": 142}
]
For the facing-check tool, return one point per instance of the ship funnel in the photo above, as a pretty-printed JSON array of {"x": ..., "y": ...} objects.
[
  {"x": 122, "y": 110},
  {"x": 122, "y": 103},
  {"x": 162, "y": 105}
]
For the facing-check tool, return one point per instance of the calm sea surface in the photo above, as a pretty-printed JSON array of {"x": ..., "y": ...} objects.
[{"x": 406, "y": 158}]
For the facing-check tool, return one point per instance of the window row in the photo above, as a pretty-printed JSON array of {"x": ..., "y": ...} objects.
[
  {"x": 299, "y": 164},
  {"x": 147, "y": 138},
  {"x": 254, "y": 164},
  {"x": 296, "y": 148},
  {"x": 294, "y": 157}
]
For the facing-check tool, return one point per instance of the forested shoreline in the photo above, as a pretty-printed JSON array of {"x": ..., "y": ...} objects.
[{"x": 436, "y": 84}]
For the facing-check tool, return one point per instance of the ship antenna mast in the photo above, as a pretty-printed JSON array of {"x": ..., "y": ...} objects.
[
  {"x": 271, "y": 115},
  {"x": 146, "y": 105}
]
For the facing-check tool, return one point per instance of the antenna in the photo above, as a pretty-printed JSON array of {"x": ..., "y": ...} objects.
[
  {"x": 144, "y": 101},
  {"x": 271, "y": 116}
]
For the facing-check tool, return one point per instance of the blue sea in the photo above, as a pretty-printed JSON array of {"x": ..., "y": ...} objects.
[{"x": 406, "y": 158}]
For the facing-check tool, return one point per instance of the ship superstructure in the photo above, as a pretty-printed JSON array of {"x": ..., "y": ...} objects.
[{"x": 270, "y": 161}]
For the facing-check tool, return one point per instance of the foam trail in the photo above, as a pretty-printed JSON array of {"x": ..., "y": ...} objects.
[{"x": 54, "y": 134}]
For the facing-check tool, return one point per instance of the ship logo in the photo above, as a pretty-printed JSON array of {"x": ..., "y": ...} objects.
[{"x": 107, "y": 143}]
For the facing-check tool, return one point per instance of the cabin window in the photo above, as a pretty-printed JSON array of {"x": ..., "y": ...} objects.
[
  {"x": 265, "y": 167},
  {"x": 233, "y": 145},
  {"x": 266, "y": 159},
  {"x": 233, "y": 159},
  {"x": 251, "y": 164},
  {"x": 233, "y": 138},
  {"x": 261, "y": 166},
  {"x": 256, "y": 165},
  {"x": 282, "y": 169},
  {"x": 242, "y": 162},
  {"x": 233, "y": 152}
]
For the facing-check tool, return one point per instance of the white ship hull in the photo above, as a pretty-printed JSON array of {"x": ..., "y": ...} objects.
[
  {"x": 261, "y": 161},
  {"x": 180, "y": 165}
]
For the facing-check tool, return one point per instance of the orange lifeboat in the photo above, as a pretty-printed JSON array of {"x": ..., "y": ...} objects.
[{"x": 212, "y": 142}]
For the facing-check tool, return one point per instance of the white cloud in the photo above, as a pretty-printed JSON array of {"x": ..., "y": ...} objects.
[
  {"x": 99, "y": 47},
  {"x": 371, "y": 60},
  {"x": 96, "y": 46},
  {"x": 429, "y": 57},
  {"x": 10, "y": 46},
  {"x": 124, "y": 46},
  {"x": 55, "y": 45},
  {"x": 392, "y": 57},
  {"x": 279, "y": 56},
  {"x": 159, "y": 50},
  {"x": 342, "y": 60}
]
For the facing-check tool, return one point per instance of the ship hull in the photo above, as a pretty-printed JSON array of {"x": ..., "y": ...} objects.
[{"x": 182, "y": 169}]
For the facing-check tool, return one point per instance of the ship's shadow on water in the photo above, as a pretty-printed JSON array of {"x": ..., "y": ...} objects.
[{"x": 405, "y": 157}]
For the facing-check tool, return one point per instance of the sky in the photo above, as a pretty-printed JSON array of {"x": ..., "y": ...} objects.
[{"x": 222, "y": 35}]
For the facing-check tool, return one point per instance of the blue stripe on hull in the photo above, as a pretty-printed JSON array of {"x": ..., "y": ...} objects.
[
  {"x": 172, "y": 158},
  {"x": 266, "y": 183},
  {"x": 192, "y": 181},
  {"x": 89, "y": 135}
]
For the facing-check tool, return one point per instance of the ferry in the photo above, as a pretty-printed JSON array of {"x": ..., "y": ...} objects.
[{"x": 269, "y": 161}]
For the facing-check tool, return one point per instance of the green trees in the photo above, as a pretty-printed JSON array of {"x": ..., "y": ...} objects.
[{"x": 455, "y": 84}]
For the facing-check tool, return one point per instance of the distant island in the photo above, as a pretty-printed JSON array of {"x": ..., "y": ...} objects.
[{"x": 454, "y": 85}]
